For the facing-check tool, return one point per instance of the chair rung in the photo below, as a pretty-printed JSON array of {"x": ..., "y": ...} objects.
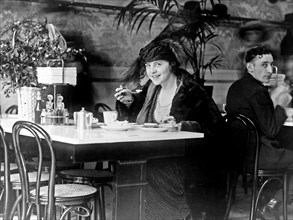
[{"x": 271, "y": 172}]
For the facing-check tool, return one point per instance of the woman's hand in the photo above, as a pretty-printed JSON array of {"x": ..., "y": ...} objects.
[
  {"x": 168, "y": 120},
  {"x": 124, "y": 95}
]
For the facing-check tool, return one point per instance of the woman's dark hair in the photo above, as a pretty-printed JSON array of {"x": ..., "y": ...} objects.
[
  {"x": 256, "y": 51},
  {"x": 174, "y": 66}
]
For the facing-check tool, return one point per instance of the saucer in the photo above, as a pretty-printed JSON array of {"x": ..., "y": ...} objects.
[
  {"x": 115, "y": 128},
  {"x": 154, "y": 129}
]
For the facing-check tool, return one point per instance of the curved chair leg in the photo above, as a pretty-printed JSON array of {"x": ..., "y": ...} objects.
[
  {"x": 99, "y": 204},
  {"x": 17, "y": 193},
  {"x": 65, "y": 213},
  {"x": 229, "y": 204},
  {"x": 253, "y": 200},
  {"x": 256, "y": 195},
  {"x": 14, "y": 207},
  {"x": 101, "y": 200},
  {"x": 285, "y": 186},
  {"x": 78, "y": 210},
  {"x": 38, "y": 207},
  {"x": 29, "y": 211},
  {"x": 232, "y": 184}
]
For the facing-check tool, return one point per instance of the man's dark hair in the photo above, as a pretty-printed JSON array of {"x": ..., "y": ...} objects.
[{"x": 256, "y": 51}]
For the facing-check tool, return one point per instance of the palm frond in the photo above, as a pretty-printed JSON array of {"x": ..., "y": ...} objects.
[
  {"x": 189, "y": 28},
  {"x": 139, "y": 13},
  {"x": 150, "y": 8},
  {"x": 141, "y": 21},
  {"x": 214, "y": 62},
  {"x": 152, "y": 21}
]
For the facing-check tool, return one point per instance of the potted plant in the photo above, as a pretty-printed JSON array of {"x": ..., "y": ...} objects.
[
  {"x": 189, "y": 26},
  {"x": 26, "y": 44}
]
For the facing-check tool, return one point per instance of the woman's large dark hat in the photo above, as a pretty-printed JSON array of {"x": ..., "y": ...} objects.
[
  {"x": 157, "y": 49},
  {"x": 286, "y": 45},
  {"x": 289, "y": 18},
  {"x": 254, "y": 32}
]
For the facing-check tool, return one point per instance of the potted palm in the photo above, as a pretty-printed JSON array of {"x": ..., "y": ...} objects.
[
  {"x": 190, "y": 26},
  {"x": 26, "y": 44}
]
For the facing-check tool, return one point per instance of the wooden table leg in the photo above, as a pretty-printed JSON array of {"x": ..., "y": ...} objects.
[{"x": 129, "y": 189}]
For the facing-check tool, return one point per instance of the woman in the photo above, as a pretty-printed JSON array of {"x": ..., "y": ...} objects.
[{"x": 173, "y": 94}]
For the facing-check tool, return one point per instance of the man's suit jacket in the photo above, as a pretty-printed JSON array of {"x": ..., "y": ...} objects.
[{"x": 249, "y": 97}]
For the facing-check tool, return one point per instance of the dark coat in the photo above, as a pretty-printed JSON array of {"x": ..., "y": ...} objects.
[
  {"x": 250, "y": 98},
  {"x": 191, "y": 106}
]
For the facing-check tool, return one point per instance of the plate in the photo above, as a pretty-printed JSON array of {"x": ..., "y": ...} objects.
[
  {"x": 112, "y": 128},
  {"x": 159, "y": 129}
]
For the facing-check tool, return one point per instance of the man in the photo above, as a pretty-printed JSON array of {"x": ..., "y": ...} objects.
[{"x": 249, "y": 96}]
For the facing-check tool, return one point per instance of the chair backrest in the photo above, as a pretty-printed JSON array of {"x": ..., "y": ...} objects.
[
  {"x": 6, "y": 173},
  {"x": 99, "y": 108},
  {"x": 11, "y": 109},
  {"x": 41, "y": 140},
  {"x": 244, "y": 142}
]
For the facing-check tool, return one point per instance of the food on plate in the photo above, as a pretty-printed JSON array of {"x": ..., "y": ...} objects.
[{"x": 151, "y": 125}]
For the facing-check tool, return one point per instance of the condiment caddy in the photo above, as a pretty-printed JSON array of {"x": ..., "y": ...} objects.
[{"x": 52, "y": 115}]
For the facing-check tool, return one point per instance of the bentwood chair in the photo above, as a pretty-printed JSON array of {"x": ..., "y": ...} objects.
[
  {"x": 99, "y": 108},
  {"x": 92, "y": 177},
  {"x": 244, "y": 146},
  {"x": 6, "y": 168},
  {"x": 32, "y": 166},
  {"x": 71, "y": 197},
  {"x": 98, "y": 177},
  {"x": 12, "y": 109}
]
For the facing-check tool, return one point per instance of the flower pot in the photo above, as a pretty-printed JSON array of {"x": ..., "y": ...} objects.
[{"x": 27, "y": 98}]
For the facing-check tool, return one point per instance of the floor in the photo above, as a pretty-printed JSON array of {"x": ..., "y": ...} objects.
[{"x": 240, "y": 208}]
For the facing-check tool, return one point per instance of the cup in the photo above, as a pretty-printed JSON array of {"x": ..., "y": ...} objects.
[
  {"x": 110, "y": 116},
  {"x": 276, "y": 79},
  {"x": 289, "y": 112}
]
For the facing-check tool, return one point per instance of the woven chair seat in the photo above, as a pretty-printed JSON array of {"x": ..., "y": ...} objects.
[
  {"x": 15, "y": 179},
  {"x": 60, "y": 165},
  {"x": 97, "y": 178},
  {"x": 67, "y": 192},
  {"x": 32, "y": 177},
  {"x": 87, "y": 175},
  {"x": 270, "y": 172}
]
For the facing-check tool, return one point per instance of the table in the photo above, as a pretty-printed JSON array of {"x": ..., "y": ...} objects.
[
  {"x": 288, "y": 123},
  {"x": 130, "y": 149}
]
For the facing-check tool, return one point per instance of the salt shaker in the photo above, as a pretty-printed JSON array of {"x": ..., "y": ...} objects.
[
  {"x": 66, "y": 116},
  {"x": 43, "y": 116}
]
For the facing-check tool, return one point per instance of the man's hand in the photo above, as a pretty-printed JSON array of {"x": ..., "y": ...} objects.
[{"x": 281, "y": 95}]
